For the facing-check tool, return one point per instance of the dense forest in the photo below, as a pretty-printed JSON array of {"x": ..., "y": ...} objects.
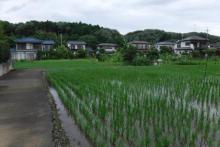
[{"x": 92, "y": 34}]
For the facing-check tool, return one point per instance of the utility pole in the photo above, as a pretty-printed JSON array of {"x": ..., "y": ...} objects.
[{"x": 61, "y": 39}]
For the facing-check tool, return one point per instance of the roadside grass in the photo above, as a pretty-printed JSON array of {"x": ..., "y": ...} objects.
[{"x": 115, "y": 105}]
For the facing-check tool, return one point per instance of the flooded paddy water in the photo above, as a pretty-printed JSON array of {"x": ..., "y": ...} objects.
[{"x": 76, "y": 137}]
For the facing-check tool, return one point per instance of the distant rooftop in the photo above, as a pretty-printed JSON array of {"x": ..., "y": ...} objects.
[
  {"x": 191, "y": 38},
  {"x": 107, "y": 44},
  {"x": 77, "y": 42},
  {"x": 165, "y": 43},
  {"x": 28, "y": 40},
  {"x": 48, "y": 42},
  {"x": 217, "y": 44},
  {"x": 138, "y": 42}
]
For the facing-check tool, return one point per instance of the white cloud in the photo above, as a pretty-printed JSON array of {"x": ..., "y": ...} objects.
[{"x": 125, "y": 16}]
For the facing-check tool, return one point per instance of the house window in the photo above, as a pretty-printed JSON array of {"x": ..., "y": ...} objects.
[
  {"x": 29, "y": 46},
  {"x": 187, "y": 43}
]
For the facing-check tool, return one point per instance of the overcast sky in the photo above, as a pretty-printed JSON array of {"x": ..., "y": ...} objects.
[{"x": 123, "y": 15}]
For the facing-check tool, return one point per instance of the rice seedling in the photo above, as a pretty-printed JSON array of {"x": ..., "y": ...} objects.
[{"x": 131, "y": 106}]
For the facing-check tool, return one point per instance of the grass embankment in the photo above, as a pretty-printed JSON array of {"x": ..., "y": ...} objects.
[{"x": 162, "y": 105}]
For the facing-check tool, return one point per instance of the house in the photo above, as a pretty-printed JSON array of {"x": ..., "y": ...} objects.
[
  {"x": 108, "y": 47},
  {"x": 47, "y": 45},
  {"x": 165, "y": 43},
  {"x": 215, "y": 45},
  {"x": 189, "y": 44},
  {"x": 75, "y": 45},
  {"x": 26, "y": 49},
  {"x": 140, "y": 45}
]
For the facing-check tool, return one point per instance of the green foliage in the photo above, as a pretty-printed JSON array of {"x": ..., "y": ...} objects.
[
  {"x": 4, "y": 46},
  {"x": 141, "y": 60},
  {"x": 185, "y": 59},
  {"x": 101, "y": 55},
  {"x": 128, "y": 53},
  {"x": 91, "y": 40},
  {"x": 166, "y": 50},
  {"x": 92, "y": 34},
  {"x": 116, "y": 57},
  {"x": 168, "y": 58},
  {"x": 153, "y": 54},
  {"x": 81, "y": 53},
  {"x": 61, "y": 52}
]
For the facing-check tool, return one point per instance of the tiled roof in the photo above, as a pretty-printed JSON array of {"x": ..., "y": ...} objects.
[
  {"x": 48, "y": 42},
  {"x": 77, "y": 42},
  {"x": 191, "y": 38},
  {"x": 165, "y": 43},
  {"x": 107, "y": 44},
  {"x": 138, "y": 42},
  {"x": 28, "y": 40}
]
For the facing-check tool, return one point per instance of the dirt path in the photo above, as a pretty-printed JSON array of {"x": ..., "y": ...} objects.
[{"x": 25, "y": 118}]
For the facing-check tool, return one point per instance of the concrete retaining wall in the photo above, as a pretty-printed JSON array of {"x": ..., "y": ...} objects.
[{"x": 5, "y": 68}]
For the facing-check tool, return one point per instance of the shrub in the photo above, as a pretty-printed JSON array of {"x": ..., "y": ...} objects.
[
  {"x": 61, "y": 52},
  {"x": 185, "y": 59},
  {"x": 116, "y": 57},
  {"x": 101, "y": 55},
  {"x": 4, "y": 51},
  {"x": 153, "y": 54},
  {"x": 166, "y": 50},
  {"x": 128, "y": 53},
  {"x": 81, "y": 53},
  {"x": 141, "y": 60},
  {"x": 42, "y": 55}
]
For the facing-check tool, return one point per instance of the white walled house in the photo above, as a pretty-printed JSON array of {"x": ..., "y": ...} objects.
[
  {"x": 166, "y": 44},
  {"x": 108, "y": 47},
  {"x": 190, "y": 44},
  {"x": 26, "y": 49},
  {"x": 75, "y": 45}
]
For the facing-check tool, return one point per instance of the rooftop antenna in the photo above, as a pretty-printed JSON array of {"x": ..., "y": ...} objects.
[{"x": 207, "y": 33}]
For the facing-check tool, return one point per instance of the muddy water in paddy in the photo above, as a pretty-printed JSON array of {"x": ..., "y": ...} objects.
[{"x": 73, "y": 132}]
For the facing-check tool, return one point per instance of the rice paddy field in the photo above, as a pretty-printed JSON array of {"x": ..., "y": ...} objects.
[{"x": 115, "y": 105}]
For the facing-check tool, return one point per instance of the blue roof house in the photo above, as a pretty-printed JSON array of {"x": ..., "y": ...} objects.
[{"x": 26, "y": 48}]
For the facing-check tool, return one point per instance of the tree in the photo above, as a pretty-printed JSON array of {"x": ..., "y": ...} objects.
[
  {"x": 81, "y": 53},
  {"x": 101, "y": 55},
  {"x": 61, "y": 52},
  {"x": 153, "y": 54},
  {"x": 4, "y": 46},
  {"x": 91, "y": 40},
  {"x": 128, "y": 53}
]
